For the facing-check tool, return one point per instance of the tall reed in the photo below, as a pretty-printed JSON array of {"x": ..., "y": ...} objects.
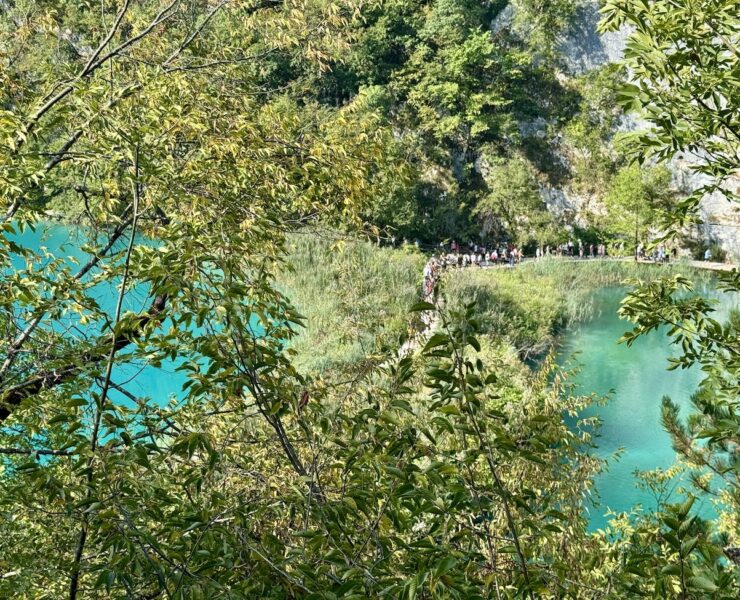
[{"x": 355, "y": 297}]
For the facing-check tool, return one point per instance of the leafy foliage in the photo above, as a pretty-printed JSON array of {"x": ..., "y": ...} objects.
[
  {"x": 686, "y": 88},
  {"x": 459, "y": 96},
  {"x": 636, "y": 199},
  {"x": 188, "y": 139},
  {"x": 513, "y": 207},
  {"x": 706, "y": 442}
]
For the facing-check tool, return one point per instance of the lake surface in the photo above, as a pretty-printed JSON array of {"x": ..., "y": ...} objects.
[
  {"x": 158, "y": 384},
  {"x": 636, "y": 379}
]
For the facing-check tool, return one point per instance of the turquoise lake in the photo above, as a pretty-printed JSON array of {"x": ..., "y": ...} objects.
[
  {"x": 635, "y": 379},
  {"x": 158, "y": 384}
]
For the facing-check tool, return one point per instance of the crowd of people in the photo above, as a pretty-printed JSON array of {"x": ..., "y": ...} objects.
[
  {"x": 457, "y": 256},
  {"x": 659, "y": 254},
  {"x": 473, "y": 256},
  {"x": 478, "y": 255}
]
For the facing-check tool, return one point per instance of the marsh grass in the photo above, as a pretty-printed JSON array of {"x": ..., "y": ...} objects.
[
  {"x": 354, "y": 295},
  {"x": 530, "y": 305}
]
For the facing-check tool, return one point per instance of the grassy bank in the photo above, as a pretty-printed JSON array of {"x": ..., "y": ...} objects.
[
  {"x": 528, "y": 306},
  {"x": 354, "y": 295}
]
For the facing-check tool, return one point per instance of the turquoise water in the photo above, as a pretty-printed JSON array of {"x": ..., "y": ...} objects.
[
  {"x": 158, "y": 384},
  {"x": 636, "y": 379}
]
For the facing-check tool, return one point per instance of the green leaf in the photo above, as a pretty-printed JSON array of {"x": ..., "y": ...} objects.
[
  {"x": 422, "y": 306},
  {"x": 671, "y": 570},
  {"x": 76, "y": 402},
  {"x": 444, "y": 566},
  {"x": 703, "y": 584},
  {"x": 438, "y": 339}
]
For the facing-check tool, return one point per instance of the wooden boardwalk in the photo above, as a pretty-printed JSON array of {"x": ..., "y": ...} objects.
[{"x": 696, "y": 264}]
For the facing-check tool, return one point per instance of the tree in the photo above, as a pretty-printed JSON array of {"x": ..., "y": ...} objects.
[
  {"x": 545, "y": 22},
  {"x": 683, "y": 57},
  {"x": 157, "y": 127},
  {"x": 513, "y": 208},
  {"x": 708, "y": 441},
  {"x": 453, "y": 91},
  {"x": 687, "y": 89},
  {"x": 636, "y": 198},
  {"x": 147, "y": 122}
]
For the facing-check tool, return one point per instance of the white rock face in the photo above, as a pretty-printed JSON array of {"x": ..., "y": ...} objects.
[
  {"x": 583, "y": 49},
  {"x": 503, "y": 20},
  {"x": 720, "y": 216},
  {"x": 536, "y": 128},
  {"x": 570, "y": 207},
  {"x": 559, "y": 203},
  {"x": 722, "y": 222}
]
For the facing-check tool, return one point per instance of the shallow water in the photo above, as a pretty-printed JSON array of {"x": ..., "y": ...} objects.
[{"x": 636, "y": 379}]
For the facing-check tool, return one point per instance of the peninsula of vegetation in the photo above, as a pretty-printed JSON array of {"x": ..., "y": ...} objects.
[{"x": 286, "y": 285}]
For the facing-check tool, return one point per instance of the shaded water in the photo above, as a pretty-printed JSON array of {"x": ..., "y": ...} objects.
[{"x": 636, "y": 379}]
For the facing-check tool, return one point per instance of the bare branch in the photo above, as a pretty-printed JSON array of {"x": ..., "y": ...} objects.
[
  {"x": 91, "y": 67},
  {"x": 107, "y": 39},
  {"x": 100, "y": 402},
  {"x": 54, "y": 377},
  {"x": 189, "y": 40},
  {"x": 35, "y": 452}
]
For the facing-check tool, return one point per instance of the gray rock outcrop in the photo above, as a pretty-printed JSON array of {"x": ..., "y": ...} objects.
[{"x": 584, "y": 49}]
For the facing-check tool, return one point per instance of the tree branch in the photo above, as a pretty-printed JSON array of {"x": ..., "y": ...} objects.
[
  {"x": 100, "y": 402},
  {"x": 56, "y": 376},
  {"x": 34, "y": 452}
]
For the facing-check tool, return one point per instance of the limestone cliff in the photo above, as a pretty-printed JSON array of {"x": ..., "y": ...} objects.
[{"x": 582, "y": 49}]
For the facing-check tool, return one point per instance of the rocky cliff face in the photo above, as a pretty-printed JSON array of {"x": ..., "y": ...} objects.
[
  {"x": 584, "y": 49},
  {"x": 720, "y": 216}
]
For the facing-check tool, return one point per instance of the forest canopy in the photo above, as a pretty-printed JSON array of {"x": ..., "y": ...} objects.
[{"x": 203, "y": 158}]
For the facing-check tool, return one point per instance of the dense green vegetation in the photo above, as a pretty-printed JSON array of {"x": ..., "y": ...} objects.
[
  {"x": 478, "y": 112},
  {"x": 464, "y": 97},
  {"x": 194, "y": 141},
  {"x": 354, "y": 296},
  {"x": 529, "y": 306}
]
